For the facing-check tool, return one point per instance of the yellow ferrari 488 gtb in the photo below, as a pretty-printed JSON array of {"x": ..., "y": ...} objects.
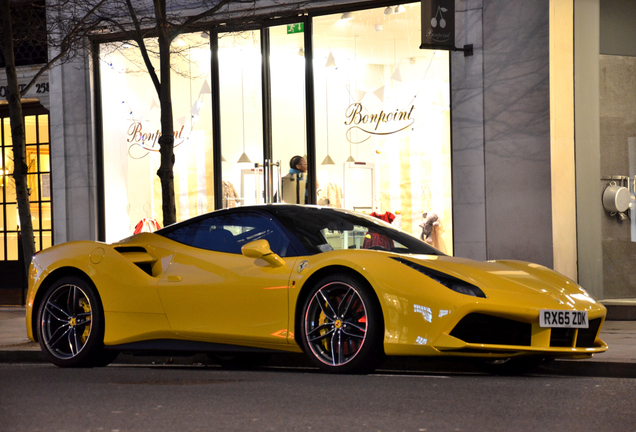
[{"x": 344, "y": 288}]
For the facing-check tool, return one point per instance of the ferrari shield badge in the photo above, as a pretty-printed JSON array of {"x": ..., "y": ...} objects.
[{"x": 302, "y": 266}]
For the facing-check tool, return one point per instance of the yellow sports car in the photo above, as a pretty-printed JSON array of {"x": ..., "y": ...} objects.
[{"x": 344, "y": 288}]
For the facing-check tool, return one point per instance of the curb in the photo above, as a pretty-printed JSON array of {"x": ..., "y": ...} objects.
[{"x": 618, "y": 310}]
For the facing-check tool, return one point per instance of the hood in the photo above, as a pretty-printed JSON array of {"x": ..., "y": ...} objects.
[{"x": 516, "y": 281}]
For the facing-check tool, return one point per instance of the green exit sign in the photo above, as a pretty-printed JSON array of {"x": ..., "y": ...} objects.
[{"x": 295, "y": 28}]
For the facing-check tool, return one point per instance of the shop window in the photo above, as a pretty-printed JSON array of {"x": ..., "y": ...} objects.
[
  {"x": 287, "y": 75},
  {"x": 43, "y": 128},
  {"x": 38, "y": 183},
  {"x": 12, "y": 246},
  {"x": 383, "y": 119},
  {"x": 241, "y": 118},
  {"x": 131, "y": 118},
  {"x": 30, "y": 130}
]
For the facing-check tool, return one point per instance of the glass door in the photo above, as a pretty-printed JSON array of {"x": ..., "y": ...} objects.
[
  {"x": 36, "y": 122},
  {"x": 262, "y": 111},
  {"x": 241, "y": 113},
  {"x": 288, "y": 112}
]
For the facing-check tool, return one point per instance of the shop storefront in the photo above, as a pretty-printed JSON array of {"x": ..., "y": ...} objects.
[
  {"x": 36, "y": 122},
  {"x": 351, "y": 92}
]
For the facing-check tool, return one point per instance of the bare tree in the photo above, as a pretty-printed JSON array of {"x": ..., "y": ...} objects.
[
  {"x": 166, "y": 30},
  {"x": 17, "y": 132},
  {"x": 68, "y": 39}
]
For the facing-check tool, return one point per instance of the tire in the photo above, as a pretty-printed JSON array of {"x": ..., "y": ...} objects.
[
  {"x": 71, "y": 324},
  {"x": 511, "y": 365},
  {"x": 342, "y": 328},
  {"x": 105, "y": 358}
]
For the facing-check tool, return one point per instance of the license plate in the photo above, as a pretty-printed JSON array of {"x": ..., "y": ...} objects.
[{"x": 563, "y": 319}]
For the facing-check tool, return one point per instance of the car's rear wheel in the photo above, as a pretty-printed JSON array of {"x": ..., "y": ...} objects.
[
  {"x": 71, "y": 324},
  {"x": 342, "y": 326}
]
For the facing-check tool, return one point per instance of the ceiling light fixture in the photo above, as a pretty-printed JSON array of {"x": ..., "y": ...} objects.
[
  {"x": 331, "y": 61},
  {"x": 399, "y": 9},
  {"x": 244, "y": 157},
  {"x": 347, "y": 16},
  {"x": 388, "y": 11},
  {"x": 327, "y": 160}
]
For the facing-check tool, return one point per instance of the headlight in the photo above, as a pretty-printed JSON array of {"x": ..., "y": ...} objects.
[{"x": 457, "y": 285}]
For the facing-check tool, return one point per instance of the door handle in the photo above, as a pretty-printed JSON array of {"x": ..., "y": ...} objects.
[{"x": 173, "y": 278}]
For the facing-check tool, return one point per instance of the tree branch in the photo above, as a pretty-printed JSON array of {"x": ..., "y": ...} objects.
[
  {"x": 196, "y": 18},
  {"x": 66, "y": 44},
  {"x": 142, "y": 47}
]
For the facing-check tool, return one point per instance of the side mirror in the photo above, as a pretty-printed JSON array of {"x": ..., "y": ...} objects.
[{"x": 260, "y": 249}]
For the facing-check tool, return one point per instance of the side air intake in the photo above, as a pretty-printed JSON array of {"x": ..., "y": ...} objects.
[{"x": 138, "y": 256}]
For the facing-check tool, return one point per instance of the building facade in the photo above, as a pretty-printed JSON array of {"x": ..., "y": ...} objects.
[{"x": 502, "y": 145}]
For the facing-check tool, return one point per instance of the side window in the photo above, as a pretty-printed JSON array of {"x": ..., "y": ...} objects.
[
  {"x": 184, "y": 234},
  {"x": 228, "y": 233}
]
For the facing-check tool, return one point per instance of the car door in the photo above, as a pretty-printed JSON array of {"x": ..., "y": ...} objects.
[{"x": 212, "y": 292}]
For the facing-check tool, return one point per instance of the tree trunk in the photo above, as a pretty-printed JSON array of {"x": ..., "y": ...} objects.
[
  {"x": 17, "y": 135},
  {"x": 166, "y": 141}
]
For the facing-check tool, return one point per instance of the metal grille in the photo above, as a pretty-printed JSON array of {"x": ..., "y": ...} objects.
[
  {"x": 486, "y": 329},
  {"x": 587, "y": 336},
  {"x": 564, "y": 337},
  {"x": 28, "y": 20}
]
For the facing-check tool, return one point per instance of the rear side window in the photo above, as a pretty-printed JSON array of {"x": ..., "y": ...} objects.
[
  {"x": 229, "y": 232},
  {"x": 184, "y": 233}
]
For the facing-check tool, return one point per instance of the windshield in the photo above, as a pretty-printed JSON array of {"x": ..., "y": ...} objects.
[{"x": 324, "y": 229}]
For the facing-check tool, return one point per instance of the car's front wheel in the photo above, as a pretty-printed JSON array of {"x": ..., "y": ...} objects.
[
  {"x": 71, "y": 324},
  {"x": 342, "y": 326}
]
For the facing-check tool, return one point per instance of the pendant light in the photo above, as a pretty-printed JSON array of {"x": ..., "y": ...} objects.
[
  {"x": 327, "y": 160},
  {"x": 355, "y": 84},
  {"x": 347, "y": 16},
  {"x": 244, "y": 157}
]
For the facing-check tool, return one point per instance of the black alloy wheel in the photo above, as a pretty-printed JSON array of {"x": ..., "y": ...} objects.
[
  {"x": 70, "y": 324},
  {"x": 342, "y": 326}
]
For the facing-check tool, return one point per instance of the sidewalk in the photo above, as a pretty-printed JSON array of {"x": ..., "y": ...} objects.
[{"x": 15, "y": 347}]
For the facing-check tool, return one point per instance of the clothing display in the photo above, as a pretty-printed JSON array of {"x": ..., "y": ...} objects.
[
  {"x": 294, "y": 187},
  {"x": 331, "y": 195},
  {"x": 432, "y": 231},
  {"x": 230, "y": 196},
  {"x": 372, "y": 238},
  {"x": 147, "y": 225}
]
